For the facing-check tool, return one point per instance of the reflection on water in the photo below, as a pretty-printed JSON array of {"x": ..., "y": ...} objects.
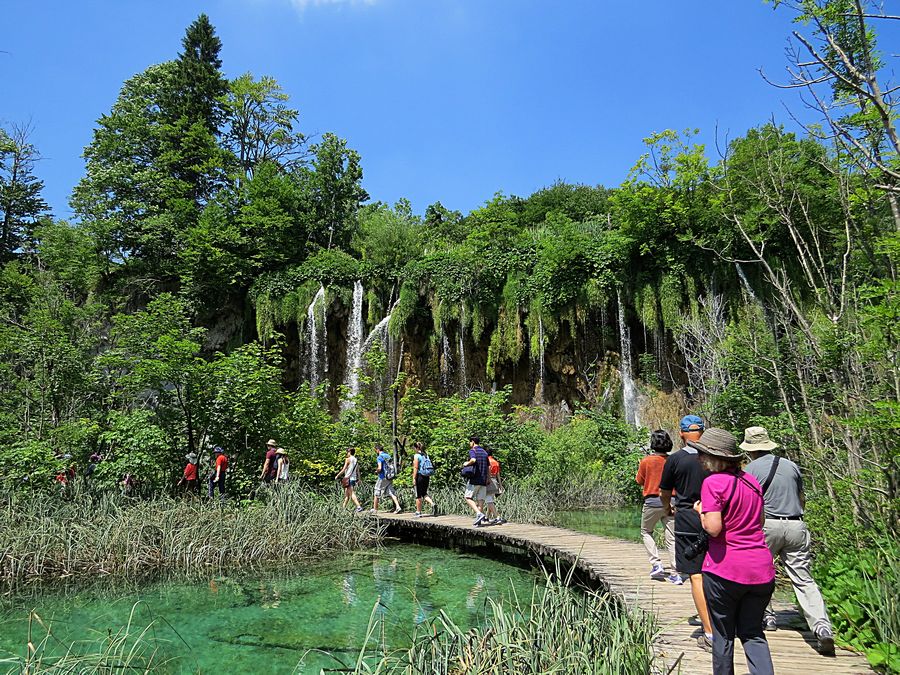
[
  {"x": 270, "y": 624},
  {"x": 624, "y": 523}
]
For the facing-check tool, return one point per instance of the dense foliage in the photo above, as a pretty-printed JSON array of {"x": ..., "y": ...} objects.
[{"x": 171, "y": 316}]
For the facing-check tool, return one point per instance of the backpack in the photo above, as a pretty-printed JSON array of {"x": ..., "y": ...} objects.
[
  {"x": 390, "y": 472},
  {"x": 426, "y": 468}
]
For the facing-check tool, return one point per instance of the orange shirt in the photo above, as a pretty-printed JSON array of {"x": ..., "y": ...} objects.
[
  {"x": 222, "y": 464},
  {"x": 190, "y": 472},
  {"x": 650, "y": 472},
  {"x": 494, "y": 466}
]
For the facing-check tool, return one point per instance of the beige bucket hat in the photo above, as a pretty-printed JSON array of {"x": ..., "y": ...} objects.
[
  {"x": 272, "y": 442},
  {"x": 718, "y": 443},
  {"x": 756, "y": 439}
]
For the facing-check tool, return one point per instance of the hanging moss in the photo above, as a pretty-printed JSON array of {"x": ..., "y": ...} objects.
[
  {"x": 405, "y": 309},
  {"x": 671, "y": 299}
]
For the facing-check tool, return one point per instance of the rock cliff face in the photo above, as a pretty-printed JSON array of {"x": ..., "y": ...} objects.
[{"x": 580, "y": 363}]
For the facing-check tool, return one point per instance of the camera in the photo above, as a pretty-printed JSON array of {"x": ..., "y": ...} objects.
[{"x": 697, "y": 547}]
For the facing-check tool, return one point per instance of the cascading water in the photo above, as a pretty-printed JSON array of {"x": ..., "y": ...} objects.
[
  {"x": 445, "y": 360},
  {"x": 354, "y": 343},
  {"x": 461, "y": 348},
  {"x": 629, "y": 390},
  {"x": 316, "y": 340},
  {"x": 541, "y": 358},
  {"x": 380, "y": 331}
]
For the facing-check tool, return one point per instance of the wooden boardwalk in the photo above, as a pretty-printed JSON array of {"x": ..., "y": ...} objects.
[{"x": 622, "y": 567}]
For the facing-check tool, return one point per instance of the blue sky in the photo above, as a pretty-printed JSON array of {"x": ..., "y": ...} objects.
[{"x": 449, "y": 100}]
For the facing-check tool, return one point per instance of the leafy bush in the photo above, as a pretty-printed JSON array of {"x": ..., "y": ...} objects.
[
  {"x": 592, "y": 446},
  {"x": 862, "y": 589}
]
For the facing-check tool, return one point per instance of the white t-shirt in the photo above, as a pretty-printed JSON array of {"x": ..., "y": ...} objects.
[{"x": 352, "y": 468}]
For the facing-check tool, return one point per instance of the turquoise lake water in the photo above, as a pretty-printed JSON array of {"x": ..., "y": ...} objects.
[
  {"x": 624, "y": 523},
  {"x": 270, "y": 624}
]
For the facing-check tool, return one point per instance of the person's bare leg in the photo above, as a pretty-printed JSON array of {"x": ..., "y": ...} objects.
[
  {"x": 418, "y": 505},
  {"x": 355, "y": 498},
  {"x": 396, "y": 502},
  {"x": 375, "y": 504},
  {"x": 346, "y": 497},
  {"x": 700, "y": 602},
  {"x": 473, "y": 505}
]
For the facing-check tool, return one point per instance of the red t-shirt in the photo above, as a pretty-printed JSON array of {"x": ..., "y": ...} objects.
[
  {"x": 272, "y": 459},
  {"x": 494, "y": 466},
  {"x": 222, "y": 464},
  {"x": 190, "y": 472},
  {"x": 650, "y": 472}
]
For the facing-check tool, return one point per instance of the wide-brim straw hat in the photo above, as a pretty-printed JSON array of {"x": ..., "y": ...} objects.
[
  {"x": 281, "y": 451},
  {"x": 756, "y": 439},
  {"x": 272, "y": 443},
  {"x": 717, "y": 443}
]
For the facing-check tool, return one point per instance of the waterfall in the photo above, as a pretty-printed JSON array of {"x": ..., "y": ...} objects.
[
  {"x": 541, "y": 358},
  {"x": 629, "y": 391},
  {"x": 354, "y": 342},
  {"x": 380, "y": 331},
  {"x": 461, "y": 348},
  {"x": 445, "y": 360},
  {"x": 745, "y": 282},
  {"x": 316, "y": 340}
]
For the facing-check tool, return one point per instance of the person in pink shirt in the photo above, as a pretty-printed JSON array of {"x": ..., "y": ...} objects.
[{"x": 738, "y": 572}]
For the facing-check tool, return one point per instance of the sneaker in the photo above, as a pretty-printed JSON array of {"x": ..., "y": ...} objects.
[
  {"x": 479, "y": 520},
  {"x": 373, "y": 512},
  {"x": 676, "y": 579},
  {"x": 824, "y": 641},
  {"x": 359, "y": 509},
  {"x": 694, "y": 620},
  {"x": 434, "y": 510},
  {"x": 769, "y": 624},
  {"x": 704, "y": 643},
  {"x": 497, "y": 521},
  {"x": 658, "y": 573},
  {"x": 398, "y": 510},
  {"x": 501, "y": 520},
  {"x": 417, "y": 514}
]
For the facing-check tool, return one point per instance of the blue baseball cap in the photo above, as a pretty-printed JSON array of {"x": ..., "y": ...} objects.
[{"x": 692, "y": 423}]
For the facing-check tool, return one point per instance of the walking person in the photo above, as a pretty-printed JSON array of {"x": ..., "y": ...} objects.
[
  {"x": 218, "y": 473},
  {"x": 786, "y": 534},
  {"x": 493, "y": 489},
  {"x": 738, "y": 572},
  {"x": 476, "y": 470},
  {"x": 648, "y": 476},
  {"x": 282, "y": 466},
  {"x": 422, "y": 471},
  {"x": 189, "y": 475},
  {"x": 684, "y": 474},
  {"x": 384, "y": 486},
  {"x": 350, "y": 472},
  {"x": 270, "y": 465}
]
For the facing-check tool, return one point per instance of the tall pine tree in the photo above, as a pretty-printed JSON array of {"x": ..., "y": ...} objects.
[{"x": 21, "y": 203}]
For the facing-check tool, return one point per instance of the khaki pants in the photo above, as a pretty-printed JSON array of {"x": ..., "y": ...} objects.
[
  {"x": 790, "y": 540},
  {"x": 650, "y": 516}
]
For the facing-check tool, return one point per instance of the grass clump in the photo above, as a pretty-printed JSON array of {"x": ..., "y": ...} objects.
[
  {"x": 129, "y": 649},
  {"x": 53, "y": 538},
  {"x": 560, "y": 629}
]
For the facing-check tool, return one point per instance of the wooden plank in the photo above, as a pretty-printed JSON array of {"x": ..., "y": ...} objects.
[{"x": 623, "y": 567}]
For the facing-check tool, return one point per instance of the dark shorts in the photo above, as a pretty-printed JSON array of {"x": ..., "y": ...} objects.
[
  {"x": 422, "y": 485},
  {"x": 687, "y": 531}
]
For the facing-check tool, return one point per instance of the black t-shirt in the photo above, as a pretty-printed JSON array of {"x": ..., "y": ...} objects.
[{"x": 684, "y": 474}]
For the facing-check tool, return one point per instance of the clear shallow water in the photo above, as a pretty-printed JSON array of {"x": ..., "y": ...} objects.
[
  {"x": 624, "y": 523},
  {"x": 266, "y": 624}
]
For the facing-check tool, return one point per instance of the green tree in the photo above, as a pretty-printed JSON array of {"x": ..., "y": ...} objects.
[{"x": 21, "y": 205}]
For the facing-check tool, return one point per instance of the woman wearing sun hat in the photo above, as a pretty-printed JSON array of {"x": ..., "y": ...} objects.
[{"x": 738, "y": 573}]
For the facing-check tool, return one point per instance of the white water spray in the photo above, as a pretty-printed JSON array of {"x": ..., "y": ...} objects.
[
  {"x": 316, "y": 340},
  {"x": 461, "y": 348},
  {"x": 445, "y": 359},
  {"x": 541, "y": 358},
  {"x": 629, "y": 390},
  {"x": 354, "y": 343}
]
